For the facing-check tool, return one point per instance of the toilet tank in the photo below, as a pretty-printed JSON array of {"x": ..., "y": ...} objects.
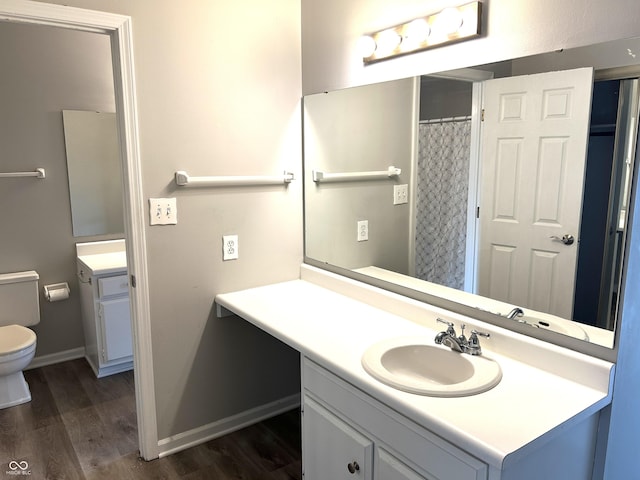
[{"x": 19, "y": 298}]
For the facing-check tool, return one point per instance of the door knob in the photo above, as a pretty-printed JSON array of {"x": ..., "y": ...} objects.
[{"x": 566, "y": 239}]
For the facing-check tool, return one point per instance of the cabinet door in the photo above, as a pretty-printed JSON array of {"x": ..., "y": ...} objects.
[
  {"x": 332, "y": 449},
  {"x": 388, "y": 467},
  {"x": 116, "y": 329}
]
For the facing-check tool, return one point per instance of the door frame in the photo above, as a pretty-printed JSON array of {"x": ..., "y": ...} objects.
[
  {"x": 476, "y": 78},
  {"x": 118, "y": 27},
  {"x": 473, "y": 198}
]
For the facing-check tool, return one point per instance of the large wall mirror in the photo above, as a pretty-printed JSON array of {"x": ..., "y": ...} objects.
[
  {"x": 94, "y": 171},
  {"x": 510, "y": 196}
]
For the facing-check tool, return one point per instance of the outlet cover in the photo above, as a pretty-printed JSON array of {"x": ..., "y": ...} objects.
[
  {"x": 229, "y": 247},
  {"x": 363, "y": 230}
]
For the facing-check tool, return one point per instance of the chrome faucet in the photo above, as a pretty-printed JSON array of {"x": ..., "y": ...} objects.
[
  {"x": 460, "y": 344},
  {"x": 448, "y": 337},
  {"x": 516, "y": 312}
]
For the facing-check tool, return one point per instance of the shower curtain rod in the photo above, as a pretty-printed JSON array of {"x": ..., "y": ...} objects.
[{"x": 446, "y": 120}]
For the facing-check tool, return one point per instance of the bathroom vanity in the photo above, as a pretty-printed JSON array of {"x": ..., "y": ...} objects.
[
  {"x": 540, "y": 421},
  {"x": 104, "y": 297}
]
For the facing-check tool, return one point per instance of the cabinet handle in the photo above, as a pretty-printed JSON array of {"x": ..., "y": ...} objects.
[{"x": 353, "y": 467}]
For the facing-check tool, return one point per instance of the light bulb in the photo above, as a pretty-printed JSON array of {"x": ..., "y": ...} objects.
[
  {"x": 388, "y": 40},
  {"x": 448, "y": 21},
  {"x": 366, "y": 46},
  {"x": 416, "y": 32}
]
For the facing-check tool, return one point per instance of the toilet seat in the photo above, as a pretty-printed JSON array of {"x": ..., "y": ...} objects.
[{"x": 15, "y": 339}]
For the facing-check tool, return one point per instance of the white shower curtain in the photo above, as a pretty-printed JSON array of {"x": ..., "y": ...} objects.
[{"x": 441, "y": 210}]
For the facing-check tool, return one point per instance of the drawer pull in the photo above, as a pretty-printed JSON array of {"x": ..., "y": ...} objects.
[{"x": 353, "y": 467}]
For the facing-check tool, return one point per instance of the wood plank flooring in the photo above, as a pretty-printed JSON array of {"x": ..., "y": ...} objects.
[{"x": 78, "y": 427}]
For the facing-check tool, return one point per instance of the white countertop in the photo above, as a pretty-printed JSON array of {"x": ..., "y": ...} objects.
[
  {"x": 104, "y": 263},
  {"x": 102, "y": 258},
  {"x": 530, "y": 405}
]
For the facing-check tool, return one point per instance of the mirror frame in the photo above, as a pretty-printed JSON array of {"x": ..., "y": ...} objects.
[{"x": 578, "y": 345}]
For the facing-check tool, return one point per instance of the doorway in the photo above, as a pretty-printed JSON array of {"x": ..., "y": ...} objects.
[
  {"x": 610, "y": 162},
  {"x": 118, "y": 28}
]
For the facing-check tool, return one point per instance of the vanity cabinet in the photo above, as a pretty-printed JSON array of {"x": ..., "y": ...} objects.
[
  {"x": 107, "y": 323},
  {"x": 104, "y": 299},
  {"x": 348, "y": 434},
  {"x": 540, "y": 422}
]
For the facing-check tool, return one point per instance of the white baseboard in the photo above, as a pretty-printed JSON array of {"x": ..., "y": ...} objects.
[
  {"x": 196, "y": 436},
  {"x": 58, "y": 357}
]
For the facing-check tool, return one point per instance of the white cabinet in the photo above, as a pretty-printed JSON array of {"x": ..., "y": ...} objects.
[
  {"x": 106, "y": 320},
  {"x": 115, "y": 321},
  {"x": 333, "y": 449},
  {"x": 344, "y": 427}
]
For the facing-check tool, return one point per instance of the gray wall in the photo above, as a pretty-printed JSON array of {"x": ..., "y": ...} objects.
[
  {"x": 218, "y": 92},
  {"x": 46, "y": 70},
  {"x": 443, "y": 98},
  {"x": 346, "y": 132}
]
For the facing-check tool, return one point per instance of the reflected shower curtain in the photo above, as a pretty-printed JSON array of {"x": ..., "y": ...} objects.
[{"x": 441, "y": 209}]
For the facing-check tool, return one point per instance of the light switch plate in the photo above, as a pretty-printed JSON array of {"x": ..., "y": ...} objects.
[
  {"x": 400, "y": 194},
  {"x": 163, "y": 211}
]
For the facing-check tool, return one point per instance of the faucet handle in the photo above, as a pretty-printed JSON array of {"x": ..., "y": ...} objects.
[
  {"x": 482, "y": 334},
  {"x": 450, "y": 329},
  {"x": 473, "y": 347}
]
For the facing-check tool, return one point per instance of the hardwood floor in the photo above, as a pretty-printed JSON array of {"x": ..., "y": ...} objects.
[{"x": 80, "y": 427}]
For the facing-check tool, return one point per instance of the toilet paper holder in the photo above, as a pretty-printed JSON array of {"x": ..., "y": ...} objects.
[{"x": 56, "y": 292}]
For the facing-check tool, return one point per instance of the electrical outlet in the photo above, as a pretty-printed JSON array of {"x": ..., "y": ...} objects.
[
  {"x": 363, "y": 230},
  {"x": 229, "y": 247},
  {"x": 163, "y": 211},
  {"x": 400, "y": 194}
]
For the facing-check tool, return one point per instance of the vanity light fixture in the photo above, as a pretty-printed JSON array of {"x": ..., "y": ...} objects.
[{"x": 450, "y": 25}]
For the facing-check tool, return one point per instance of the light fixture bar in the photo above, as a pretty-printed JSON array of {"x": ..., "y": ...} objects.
[{"x": 450, "y": 25}]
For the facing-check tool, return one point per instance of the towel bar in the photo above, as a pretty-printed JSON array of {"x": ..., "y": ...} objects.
[
  {"x": 390, "y": 172},
  {"x": 38, "y": 173},
  {"x": 184, "y": 180}
]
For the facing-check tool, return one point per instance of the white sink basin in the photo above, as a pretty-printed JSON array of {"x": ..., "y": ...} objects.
[
  {"x": 421, "y": 367},
  {"x": 565, "y": 327}
]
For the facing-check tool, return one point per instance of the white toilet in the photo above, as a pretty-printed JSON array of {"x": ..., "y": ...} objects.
[{"x": 19, "y": 307}]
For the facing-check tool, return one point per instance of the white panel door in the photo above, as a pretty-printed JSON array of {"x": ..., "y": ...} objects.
[
  {"x": 333, "y": 450},
  {"x": 534, "y": 146}
]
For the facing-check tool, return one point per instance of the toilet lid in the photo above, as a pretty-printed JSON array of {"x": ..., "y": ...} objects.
[{"x": 15, "y": 337}]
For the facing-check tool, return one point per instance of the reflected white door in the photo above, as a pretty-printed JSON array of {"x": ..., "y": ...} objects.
[{"x": 534, "y": 145}]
